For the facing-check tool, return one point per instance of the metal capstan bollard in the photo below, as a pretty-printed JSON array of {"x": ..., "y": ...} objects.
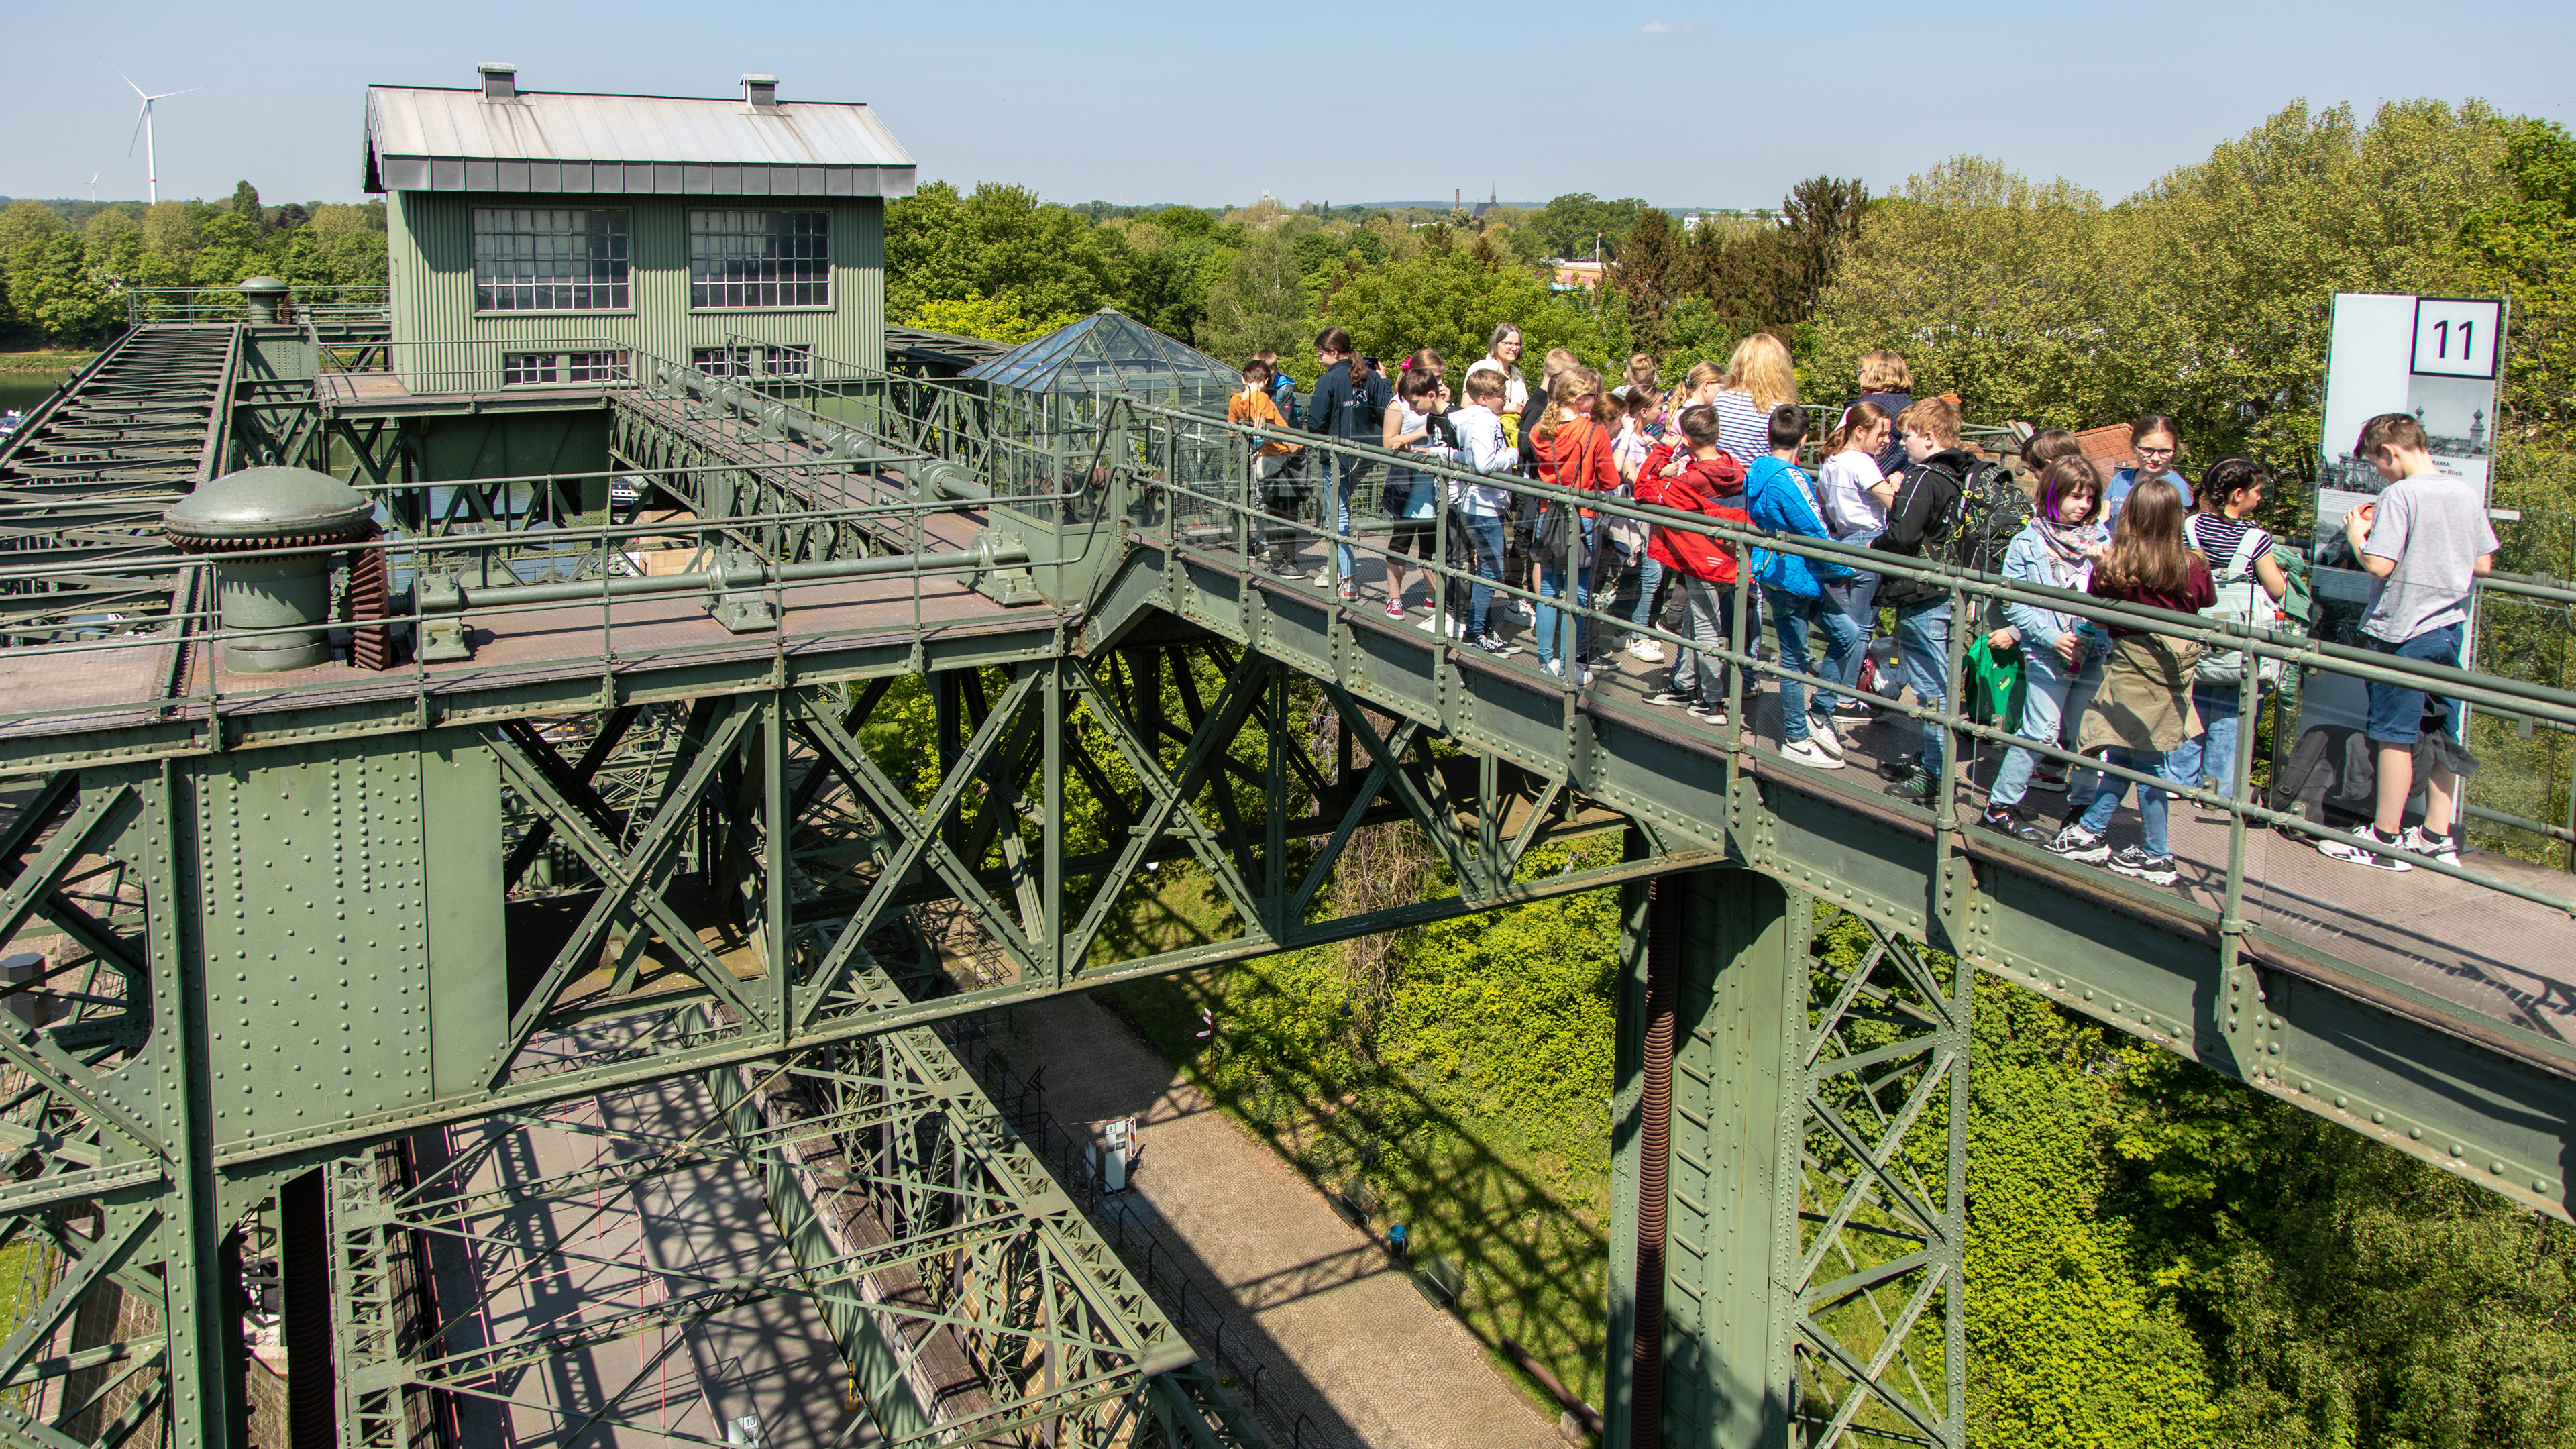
[
  {"x": 264, "y": 297},
  {"x": 239, "y": 518}
]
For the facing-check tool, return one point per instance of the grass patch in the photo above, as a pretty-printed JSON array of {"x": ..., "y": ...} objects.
[
  {"x": 1438, "y": 1105},
  {"x": 45, "y": 360}
]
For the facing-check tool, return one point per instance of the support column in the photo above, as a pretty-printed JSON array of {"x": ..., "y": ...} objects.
[{"x": 1715, "y": 965}]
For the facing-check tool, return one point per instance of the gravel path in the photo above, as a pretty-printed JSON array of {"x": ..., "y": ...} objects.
[{"x": 1372, "y": 1361}]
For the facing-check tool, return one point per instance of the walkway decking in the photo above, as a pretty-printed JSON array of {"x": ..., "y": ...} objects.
[{"x": 2498, "y": 955}]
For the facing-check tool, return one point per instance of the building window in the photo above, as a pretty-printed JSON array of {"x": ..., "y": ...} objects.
[
  {"x": 544, "y": 260},
  {"x": 519, "y": 369},
  {"x": 760, "y": 259},
  {"x": 524, "y": 369},
  {"x": 753, "y": 361},
  {"x": 595, "y": 367}
]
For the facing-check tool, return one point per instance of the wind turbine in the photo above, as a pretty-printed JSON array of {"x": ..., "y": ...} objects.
[{"x": 143, "y": 132}]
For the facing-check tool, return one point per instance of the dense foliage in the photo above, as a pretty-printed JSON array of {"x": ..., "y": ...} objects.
[
  {"x": 67, "y": 269},
  {"x": 2158, "y": 1256}
]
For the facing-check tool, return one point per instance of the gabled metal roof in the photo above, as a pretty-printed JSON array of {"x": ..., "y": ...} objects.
[{"x": 421, "y": 139}]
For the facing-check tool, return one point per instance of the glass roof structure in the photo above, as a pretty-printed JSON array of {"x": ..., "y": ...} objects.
[{"x": 1108, "y": 353}]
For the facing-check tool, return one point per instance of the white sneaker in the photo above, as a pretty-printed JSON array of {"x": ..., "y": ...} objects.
[
  {"x": 1647, "y": 649},
  {"x": 2389, "y": 856},
  {"x": 1804, "y": 752},
  {"x": 1825, "y": 741},
  {"x": 2438, "y": 847}
]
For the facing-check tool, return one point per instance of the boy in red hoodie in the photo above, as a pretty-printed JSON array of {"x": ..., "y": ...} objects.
[{"x": 1697, "y": 477}]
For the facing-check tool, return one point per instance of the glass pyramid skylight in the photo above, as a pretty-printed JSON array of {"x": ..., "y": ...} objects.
[{"x": 1108, "y": 353}]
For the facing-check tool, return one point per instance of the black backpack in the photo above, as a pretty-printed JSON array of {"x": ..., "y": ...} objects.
[{"x": 1980, "y": 529}]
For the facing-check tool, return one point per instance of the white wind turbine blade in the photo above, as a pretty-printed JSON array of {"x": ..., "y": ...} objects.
[
  {"x": 165, "y": 95},
  {"x": 141, "y": 115}
]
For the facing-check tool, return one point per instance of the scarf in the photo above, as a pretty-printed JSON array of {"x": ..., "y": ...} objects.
[{"x": 2069, "y": 567}]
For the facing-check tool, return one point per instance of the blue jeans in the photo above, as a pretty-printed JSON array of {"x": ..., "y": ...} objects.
[
  {"x": 1348, "y": 473},
  {"x": 2211, "y": 755},
  {"x": 1552, "y": 585},
  {"x": 1487, "y": 531},
  {"x": 2051, "y": 695},
  {"x": 1791, "y": 617},
  {"x": 1650, "y": 577},
  {"x": 1923, "y": 647},
  {"x": 2151, "y": 801},
  {"x": 1856, "y": 599}
]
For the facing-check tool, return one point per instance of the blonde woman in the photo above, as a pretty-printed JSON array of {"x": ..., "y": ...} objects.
[{"x": 1763, "y": 380}]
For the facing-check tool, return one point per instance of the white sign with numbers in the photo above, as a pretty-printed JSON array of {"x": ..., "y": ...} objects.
[{"x": 2456, "y": 337}]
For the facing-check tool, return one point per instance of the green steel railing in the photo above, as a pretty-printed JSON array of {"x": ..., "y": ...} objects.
[
  {"x": 354, "y": 302},
  {"x": 1213, "y": 510}
]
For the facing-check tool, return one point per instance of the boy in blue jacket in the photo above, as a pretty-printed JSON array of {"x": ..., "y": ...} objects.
[{"x": 1782, "y": 498}]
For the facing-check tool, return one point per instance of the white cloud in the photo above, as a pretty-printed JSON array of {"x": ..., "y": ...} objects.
[{"x": 1655, "y": 27}]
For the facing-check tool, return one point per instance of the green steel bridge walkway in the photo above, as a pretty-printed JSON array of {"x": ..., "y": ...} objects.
[{"x": 289, "y": 919}]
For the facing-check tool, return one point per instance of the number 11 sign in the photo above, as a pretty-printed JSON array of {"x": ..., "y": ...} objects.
[{"x": 2456, "y": 337}]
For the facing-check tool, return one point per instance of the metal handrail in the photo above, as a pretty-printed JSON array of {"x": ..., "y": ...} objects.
[{"x": 2514, "y": 697}]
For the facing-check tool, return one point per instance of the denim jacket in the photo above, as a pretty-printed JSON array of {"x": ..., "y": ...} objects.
[{"x": 2027, "y": 558}]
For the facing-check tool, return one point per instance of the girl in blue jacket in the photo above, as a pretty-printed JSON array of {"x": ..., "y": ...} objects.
[{"x": 1782, "y": 498}]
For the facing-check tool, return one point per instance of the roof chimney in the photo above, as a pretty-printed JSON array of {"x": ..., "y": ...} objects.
[
  {"x": 500, "y": 80},
  {"x": 760, "y": 90}
]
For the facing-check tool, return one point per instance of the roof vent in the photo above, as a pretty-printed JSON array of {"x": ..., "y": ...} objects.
[
  {"x": 760, "y": 90},
  {"x": 500, "y": 80}
]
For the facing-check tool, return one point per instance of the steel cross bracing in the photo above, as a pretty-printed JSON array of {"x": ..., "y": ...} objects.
[
  {"x": 971, "y": 1301},
  {"x": 400, "y": 984}
]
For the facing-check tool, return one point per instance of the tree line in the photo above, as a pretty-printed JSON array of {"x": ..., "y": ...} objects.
[{"x": 65, "y": 266}]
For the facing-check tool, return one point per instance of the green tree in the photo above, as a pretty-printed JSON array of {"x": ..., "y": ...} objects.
[
  {"x": 1452, "y": 303},
  {"x": 996, "y": 319},
  {"x": 2527, "y": 240},
  {"x": 245, "y": 204},
  {"x": 170, "y": 236},
  {"x": 1649, "y": 275},
  {"x": 54, "y": 292},
  {"x": 25, "y": 220},
  {"x": 2221, "y": 277},
  {"x": 1572, "y": 224},
  {"x": 229, "y": 251},
  {"x": 1257, "y": 304},
  {"x": 1989, "y": 284},
  {"x": 941, "y": 246}
]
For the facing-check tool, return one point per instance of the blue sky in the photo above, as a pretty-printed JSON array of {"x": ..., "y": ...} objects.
[{"x": 1675, "y": 102}]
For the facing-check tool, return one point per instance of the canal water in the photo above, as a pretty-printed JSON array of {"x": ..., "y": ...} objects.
[{"x": 23, "y": 390}]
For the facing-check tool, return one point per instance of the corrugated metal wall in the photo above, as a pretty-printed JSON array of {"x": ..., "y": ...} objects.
[{"x": 433, "y": 289}]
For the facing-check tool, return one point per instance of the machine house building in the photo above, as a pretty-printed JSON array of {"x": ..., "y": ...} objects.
[{"x": 548, "y": 239}]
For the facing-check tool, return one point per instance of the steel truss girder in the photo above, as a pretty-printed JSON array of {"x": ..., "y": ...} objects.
[
  {"x": 2374, "y": 1054},
  {"x": 1812, "y": 1283}
]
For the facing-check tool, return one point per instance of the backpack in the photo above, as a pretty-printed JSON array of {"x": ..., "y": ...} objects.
[
  {"x": 1980, "y": 529},
  {"x": 2242, "y": 599}
]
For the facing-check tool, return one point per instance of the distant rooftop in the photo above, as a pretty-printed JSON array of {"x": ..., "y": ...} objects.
[{"x": 496, "y": 137}]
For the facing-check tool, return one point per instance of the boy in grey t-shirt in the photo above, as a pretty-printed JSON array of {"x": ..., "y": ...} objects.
[{"x": 2425, "y": 541}]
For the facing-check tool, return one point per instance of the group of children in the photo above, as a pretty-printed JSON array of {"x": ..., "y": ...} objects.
[{"x": 2138, "y": 706}]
